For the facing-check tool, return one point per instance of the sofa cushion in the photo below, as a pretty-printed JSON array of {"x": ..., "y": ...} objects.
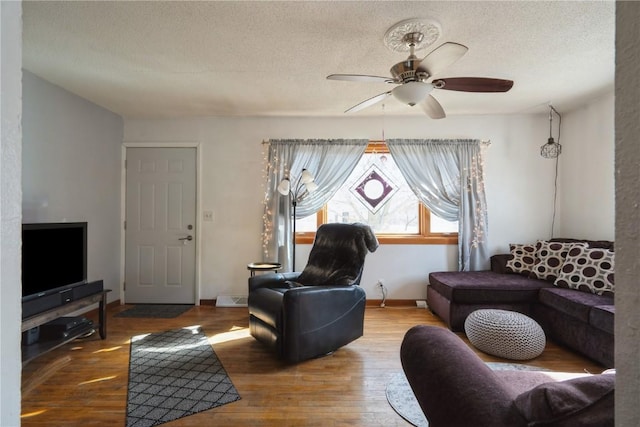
[
  {"x": 499, "y": 263},
  {"x": 602, "y": 244},
  {"x": 588, "y": 270},
  {"x": 478, "y": 287},
  {"x": 572, "y": 303},
  {"x": 585, "y": 401},
  {"x": 602, "y": 317},
  {"x": 550, "y": 257},
  {"x": 522, "y": 257}
]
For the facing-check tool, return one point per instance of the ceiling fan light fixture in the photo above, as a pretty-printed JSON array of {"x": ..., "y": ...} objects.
[
  {"x": 412, "y": 75},
  {"x": 412, "y": 93}
]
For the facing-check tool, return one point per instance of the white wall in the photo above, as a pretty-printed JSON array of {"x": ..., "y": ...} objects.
[
  {"x": 10, "y": 211},
  {"x": 586, "y": 204},
  {"x": 71, "y": 170},
  {"x": 518, "y": 185}
]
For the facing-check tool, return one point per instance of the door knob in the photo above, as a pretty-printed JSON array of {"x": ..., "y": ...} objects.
[{"x": 189, "y": 238}]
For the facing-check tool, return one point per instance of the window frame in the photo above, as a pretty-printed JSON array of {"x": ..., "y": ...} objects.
[{"x": 424, "y": 236}]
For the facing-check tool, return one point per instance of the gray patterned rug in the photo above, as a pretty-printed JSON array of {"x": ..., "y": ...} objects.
[
  {"x": 158, "y": 311},
  {"x": 403, "y": 401},
  {"x": 174, "y": 374}
]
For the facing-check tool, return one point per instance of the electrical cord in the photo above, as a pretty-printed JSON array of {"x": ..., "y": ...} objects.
[
  {"x": 555, "y": 181},
  {"x": 383, "y": 289},
  {"x": 555, "y": 198}
]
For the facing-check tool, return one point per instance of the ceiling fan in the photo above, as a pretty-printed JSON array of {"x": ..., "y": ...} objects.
[{"x": 413, "y": 73}]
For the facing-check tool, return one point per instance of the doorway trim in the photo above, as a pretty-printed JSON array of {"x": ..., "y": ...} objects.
[{"x": 123, "y": 207}]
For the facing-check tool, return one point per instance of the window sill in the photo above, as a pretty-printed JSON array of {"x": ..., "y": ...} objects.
[{"x": 307, "y": 238}]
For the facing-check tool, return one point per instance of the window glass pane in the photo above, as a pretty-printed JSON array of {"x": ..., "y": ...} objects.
[
  {"x": 307, "y": 224},
  {"x": 439, "y": 225},
  {"x": 376, "y": 194}
]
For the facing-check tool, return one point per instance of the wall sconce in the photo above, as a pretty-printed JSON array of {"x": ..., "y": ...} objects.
[
  {"x": 552, "y": 149},
  {"x": 302, "y": 188}
]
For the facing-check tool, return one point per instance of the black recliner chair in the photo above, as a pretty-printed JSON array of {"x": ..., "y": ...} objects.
[{"x": 309, "y": 314}]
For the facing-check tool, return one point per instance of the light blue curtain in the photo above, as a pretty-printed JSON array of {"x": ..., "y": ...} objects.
[
  {"x": 329, "y": 161},
  {"x": 448, "y": 177}
]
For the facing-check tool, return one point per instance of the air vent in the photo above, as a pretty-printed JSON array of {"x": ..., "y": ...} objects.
[{"x": 231, "y": 301}]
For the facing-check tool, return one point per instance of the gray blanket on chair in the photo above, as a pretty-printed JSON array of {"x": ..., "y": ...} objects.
[{"x": 338, "y": 254}]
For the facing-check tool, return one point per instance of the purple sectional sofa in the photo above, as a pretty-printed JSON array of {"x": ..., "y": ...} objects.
[
  {"x": 576, "y": 318},
  {"x": 456, "y": 389}
]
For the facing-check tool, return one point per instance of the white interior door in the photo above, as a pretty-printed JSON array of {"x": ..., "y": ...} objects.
[{"x": 160, "y": 254}]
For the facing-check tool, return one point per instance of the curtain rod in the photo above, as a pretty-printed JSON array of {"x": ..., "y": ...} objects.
[{"x": 384, "y": 141}]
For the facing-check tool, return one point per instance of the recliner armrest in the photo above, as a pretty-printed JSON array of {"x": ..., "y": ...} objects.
[
  {"x": 271, "y": 280},
  {"x": 312, "y": 305}
]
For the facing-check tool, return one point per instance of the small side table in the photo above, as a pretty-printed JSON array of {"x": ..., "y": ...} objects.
[{"x": 263, "y": 266}]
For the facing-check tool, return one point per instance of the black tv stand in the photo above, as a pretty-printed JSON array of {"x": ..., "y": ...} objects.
[{"x": 30, "y": 352}]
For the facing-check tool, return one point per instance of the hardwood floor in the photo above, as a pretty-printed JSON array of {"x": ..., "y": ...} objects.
[{"x": 84, "y": 383}]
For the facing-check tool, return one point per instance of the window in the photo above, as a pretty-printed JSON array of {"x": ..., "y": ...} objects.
[{"x": 376, "y": 194}]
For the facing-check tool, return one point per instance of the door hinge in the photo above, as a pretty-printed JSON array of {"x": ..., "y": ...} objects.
[
  {"x": 125, "y": 225},
  {"x": 124, "y": 286},
  {"x": 125, "y": 163}
]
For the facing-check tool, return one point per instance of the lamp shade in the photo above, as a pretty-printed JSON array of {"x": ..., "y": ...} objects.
[
  {"x": 306, "y": 177},
  {"x": 551, "y": 149},
  {"x": 412, "y": 92},
  {"x": 284, "y": 187},
  {"x": 311, "y": 186}
]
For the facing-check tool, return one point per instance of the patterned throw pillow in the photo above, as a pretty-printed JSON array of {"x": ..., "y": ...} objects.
[
  {"x": 588, "y": 270},
  {"x": 521, "y": 258},
  {"x": 550, "y": 257}
]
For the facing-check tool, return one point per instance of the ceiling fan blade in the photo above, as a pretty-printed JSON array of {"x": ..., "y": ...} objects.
[
  {"x": 442, "y": 57},
  {"x": 368, "y": 103},
  {"x": 432, "y": 107},
  {"x": 360, "y": 78},
  {"x": 474, "y": 84}
]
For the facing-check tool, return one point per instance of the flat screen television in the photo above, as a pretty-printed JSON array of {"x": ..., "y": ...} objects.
[{"x": 54, "y": 256}]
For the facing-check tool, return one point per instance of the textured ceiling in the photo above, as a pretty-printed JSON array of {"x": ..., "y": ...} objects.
[{"x": 241, "y": 58}]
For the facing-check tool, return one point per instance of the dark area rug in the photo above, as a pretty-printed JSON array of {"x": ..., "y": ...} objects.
[
  {"x": 158, "y": 311},
  {"x": 174, "y": 374}
]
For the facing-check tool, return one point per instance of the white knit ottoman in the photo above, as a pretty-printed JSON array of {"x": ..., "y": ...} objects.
[{"x": 505, "y": 334}]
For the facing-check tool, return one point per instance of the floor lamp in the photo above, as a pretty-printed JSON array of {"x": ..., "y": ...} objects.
[{"x": 303, "y": 186}]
